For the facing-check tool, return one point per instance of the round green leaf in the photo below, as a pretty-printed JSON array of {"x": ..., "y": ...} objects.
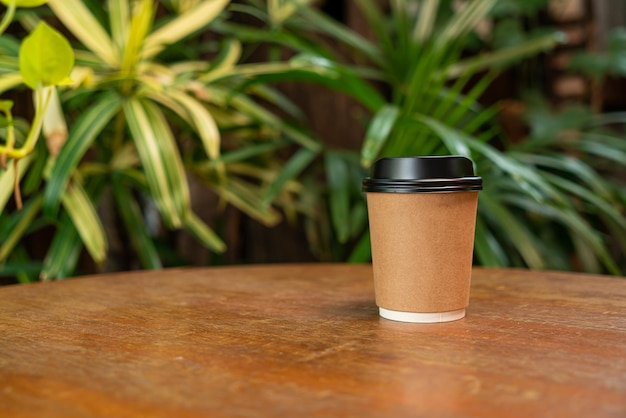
[
  {"x": 25, "y": 3},
  {"x": 46, "y": 57}
]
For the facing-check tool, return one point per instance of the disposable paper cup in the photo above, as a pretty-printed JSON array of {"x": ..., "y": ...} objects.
[{"x": 422, "y": 216}]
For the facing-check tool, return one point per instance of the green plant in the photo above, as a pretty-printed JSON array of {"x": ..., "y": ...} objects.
[
  {"x": 145, "y": 112},
  {"x": 599, "y": 65},
  {"x": 419, "y": 53},
  {"x": 580, "y": 153},
  {"x": 45, "y": 60}
]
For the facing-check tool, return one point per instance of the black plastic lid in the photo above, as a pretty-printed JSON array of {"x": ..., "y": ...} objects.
[{"x": 434, "y": 174}]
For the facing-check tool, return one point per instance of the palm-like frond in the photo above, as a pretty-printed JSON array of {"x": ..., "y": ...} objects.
[
  {"x": 148, "y": 114},
  {"x": 434, "y": 107}
]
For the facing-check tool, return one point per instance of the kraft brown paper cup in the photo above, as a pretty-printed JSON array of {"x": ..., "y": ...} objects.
[{"x": 422, "y": 235}]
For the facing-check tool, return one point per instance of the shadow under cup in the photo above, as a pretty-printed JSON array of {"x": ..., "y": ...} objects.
[{"x": 422, "y": 216}]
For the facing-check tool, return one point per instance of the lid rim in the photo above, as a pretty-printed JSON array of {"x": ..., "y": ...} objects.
[
  {"x": 422, "y": 185},
  {"x": 424, "y": 191},
  {"x": 425, "y": 180}
]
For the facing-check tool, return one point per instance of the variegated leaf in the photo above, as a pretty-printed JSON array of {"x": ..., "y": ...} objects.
[
  {"x": 85, "y": 218},
  {"x": 79, "y": 20},
  {"x": 180, "y": 27},
  {"x": 160, "y": 159}
]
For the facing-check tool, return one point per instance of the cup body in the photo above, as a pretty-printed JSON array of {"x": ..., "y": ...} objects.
[{"x": 422, "y": 245}]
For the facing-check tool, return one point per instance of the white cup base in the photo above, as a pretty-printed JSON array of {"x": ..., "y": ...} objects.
[{"x": 422, "y": 317}]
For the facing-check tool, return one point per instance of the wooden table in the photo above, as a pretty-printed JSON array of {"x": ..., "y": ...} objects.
[{"x": 306, "y": 340}]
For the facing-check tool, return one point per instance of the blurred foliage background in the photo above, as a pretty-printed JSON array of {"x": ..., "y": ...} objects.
[{"x": 212, "y": 132}]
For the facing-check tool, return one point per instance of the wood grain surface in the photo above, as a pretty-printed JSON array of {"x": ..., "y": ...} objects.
[{"x": 306, "y": 340}]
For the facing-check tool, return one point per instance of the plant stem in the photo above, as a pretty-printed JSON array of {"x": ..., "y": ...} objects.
[
  {"x": 8, "y": 17},
  {"x": 16, "y": 186},
  {"x": 10, "y": 142},
  {"x": 42, "y": 99}
]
